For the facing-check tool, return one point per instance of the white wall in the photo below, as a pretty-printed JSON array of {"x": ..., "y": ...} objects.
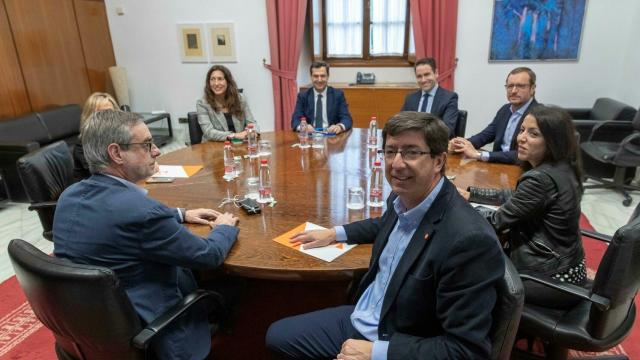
[
  {"x": 629, "y": 77},
  {"x": 597, "y": 73},
  {"x": 145, "y": 42},
  {"x": 608, "y": 64}
]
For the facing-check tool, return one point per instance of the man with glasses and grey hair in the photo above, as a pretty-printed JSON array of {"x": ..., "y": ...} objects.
[
  {"x": 434, "y": 266},
  {"x": 503, "y": 130},
  {"x": 108, "y": 220}
]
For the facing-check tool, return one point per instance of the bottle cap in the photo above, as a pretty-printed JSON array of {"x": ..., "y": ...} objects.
[
  {"x": 250, "y": 126},
  {"x": 374, "y": 118},
  {"x": 227, "y": 142},
  {"x": 376, "y": 163},
  {"x": 263, "y": 161},
  {"x": 237, "y": 157}
]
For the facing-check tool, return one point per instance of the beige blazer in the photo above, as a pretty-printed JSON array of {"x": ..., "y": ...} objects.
[{"x": 213, "y": 123}]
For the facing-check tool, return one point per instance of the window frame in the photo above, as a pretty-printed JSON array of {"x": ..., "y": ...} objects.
[{"x": 405, "y": 60}]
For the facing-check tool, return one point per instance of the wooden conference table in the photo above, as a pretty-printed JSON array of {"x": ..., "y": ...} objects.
[{"x": 309, "y": 185}]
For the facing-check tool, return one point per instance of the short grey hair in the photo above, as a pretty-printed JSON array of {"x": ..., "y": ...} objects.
[{"x": 102, "y": 129}]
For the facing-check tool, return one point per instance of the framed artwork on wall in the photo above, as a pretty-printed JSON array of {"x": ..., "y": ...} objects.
[
  {"x": 192, "y": 44},
  {"x": 222, "y": 42},
  {"x": 525, "y": 30}
]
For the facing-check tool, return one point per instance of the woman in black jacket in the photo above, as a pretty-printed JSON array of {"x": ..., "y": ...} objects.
[{"x": 542, "y": 213}]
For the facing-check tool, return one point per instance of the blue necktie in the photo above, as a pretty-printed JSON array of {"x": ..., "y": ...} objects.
[
  {"x": 319, "y": 112},
  {"x": 425, "y": 100}
]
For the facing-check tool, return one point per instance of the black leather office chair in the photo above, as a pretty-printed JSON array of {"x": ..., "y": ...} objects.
[
  {"x": 584, "y": 119},
  {"x": 606, "y": 312},
  {"x": 603, "y": 109},
  {"x": 45, "y": 173},
  {"x": 84, "y": 306},
  {"x": 195, "y": 132},
  {"x": 506, "y": 313},
  {"x": 461, "y": 124},
  {"x": 622, "y": 155}
]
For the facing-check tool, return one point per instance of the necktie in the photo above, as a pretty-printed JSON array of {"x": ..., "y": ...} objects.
[
  {"x": 425, "y": 100},
  {"x": 319, "y": 119}
]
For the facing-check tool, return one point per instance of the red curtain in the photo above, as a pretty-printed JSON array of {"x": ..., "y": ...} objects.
[
  {"x": 434, "y": 31},
  {"x": 286, "y": 27}
]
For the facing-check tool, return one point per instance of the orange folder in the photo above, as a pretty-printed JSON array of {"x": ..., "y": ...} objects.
[
  {"x": 284, "y": 238},
  {"x": 191, "y": 169}
]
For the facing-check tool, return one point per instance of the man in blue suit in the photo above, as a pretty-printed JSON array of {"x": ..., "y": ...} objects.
[
  {"x": 432, "y": 98},
  {"x": 108, "y": 220},
  {"x": 503, "y": 130},
  {"x": 435, "y": 265},
  {"x": 323, "y": 106}
]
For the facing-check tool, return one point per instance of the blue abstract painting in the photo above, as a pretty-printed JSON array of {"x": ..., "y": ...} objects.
[{"x": 536, "y": 29}]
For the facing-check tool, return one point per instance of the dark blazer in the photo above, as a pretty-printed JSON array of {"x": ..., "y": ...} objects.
[
  {"x": 439, "y": 300},
  {"x": 494, "y": 132},
  {"x": 101, "y": 221},
  {"x": 337, "y": 108},
  {"x": 444, "y": 106}
]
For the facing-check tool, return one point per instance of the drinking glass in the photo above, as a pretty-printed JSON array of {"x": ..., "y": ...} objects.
[
  {"x": 264, "y": 149},
  {"x": 355, "y": 198},
  {"x": 253, "y": 183},
  {"x": 318, "y": 140}
]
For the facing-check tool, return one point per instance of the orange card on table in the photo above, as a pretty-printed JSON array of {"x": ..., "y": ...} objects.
[
  {"x": 191, "y": 169},
  {"x": 326, "y": 253},
  {"x": 284, "y": 238}
]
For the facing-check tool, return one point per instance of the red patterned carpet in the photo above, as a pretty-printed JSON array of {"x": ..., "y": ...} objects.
[{"x": 22, "y": 336}]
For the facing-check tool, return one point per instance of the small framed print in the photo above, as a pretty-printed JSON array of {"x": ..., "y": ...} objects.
[
  {"x": 222, "y": 42},
  {"x": 192, "y": 44}
]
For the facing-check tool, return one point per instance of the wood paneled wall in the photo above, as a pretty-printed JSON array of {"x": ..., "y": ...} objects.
[
  {"x": 96, "y": 42},
  {"x": 14, "y": 99},
  {"x": 63, "y": 49}
]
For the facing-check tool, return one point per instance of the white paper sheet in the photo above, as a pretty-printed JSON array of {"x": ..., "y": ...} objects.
[
  {"x": 327, "y": 253},
  {"x": 175, "y": 171}
]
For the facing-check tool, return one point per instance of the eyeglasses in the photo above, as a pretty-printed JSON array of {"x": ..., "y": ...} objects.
[
  {"x": 147, "y": 144},
  {"x": 406, "y": 155},
  {"x": 517, "y": 86}
]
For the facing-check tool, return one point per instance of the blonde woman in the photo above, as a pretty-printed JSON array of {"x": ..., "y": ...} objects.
[{"x": 96, "y": 102}]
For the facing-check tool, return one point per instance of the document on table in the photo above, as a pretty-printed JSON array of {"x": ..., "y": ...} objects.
[
  {"x": 327, "y": 253},
  {"x": 177, "y": 171}
]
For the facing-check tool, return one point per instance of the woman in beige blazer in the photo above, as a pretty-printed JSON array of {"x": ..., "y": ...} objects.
[{"x": 223, "y": 113}]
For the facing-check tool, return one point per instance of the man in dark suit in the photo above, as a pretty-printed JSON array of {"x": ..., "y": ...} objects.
[
  {"x": 108, "y": 220},
  {"x": 434, "y": 266},
  {"x": 503, "y": 130},
  {"x": 323, "y": 106},
  {"x": 432, "y": 98}
]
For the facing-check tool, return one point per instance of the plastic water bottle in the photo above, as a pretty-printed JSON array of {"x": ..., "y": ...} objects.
[
  {"x": 375, "y": 188},
  {"x": 303, "y": 135},
  {"x": 372, "y": 140},
  {"x": 229, "y": 164},
  {"x": 252, "y": 141},
  {"x": 265, "y": 183}
]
